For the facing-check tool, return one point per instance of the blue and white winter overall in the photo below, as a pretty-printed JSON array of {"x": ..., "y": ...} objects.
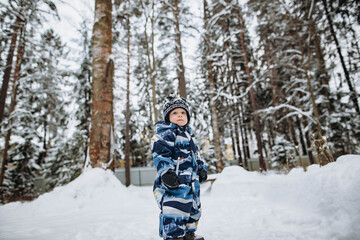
[{"x": 173, "y": 148}]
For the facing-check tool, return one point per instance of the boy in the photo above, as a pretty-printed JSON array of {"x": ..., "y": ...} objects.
[{"x": 179, "y": 172}]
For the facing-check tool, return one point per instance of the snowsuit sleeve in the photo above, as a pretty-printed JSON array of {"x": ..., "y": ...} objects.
[
  {"x": 201, "y": 164},
  {"x": 162, "y": 147}
]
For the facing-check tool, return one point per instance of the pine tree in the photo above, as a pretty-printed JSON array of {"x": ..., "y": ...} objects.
[
  {"x": 172, "y": 22},
  {"x": 70, "y": 160},
  {"x": 39, "y": 118},
  {"x": 353, "y": 94},
  {"x": 148, "y": 9},
  {"x": 23, "y": 11},
  {"x": 212, "y": 89},
  {"x": 82, "y": 94},
  {"x": 50, "y": 106},
  {"x": 18, "y": 24}
]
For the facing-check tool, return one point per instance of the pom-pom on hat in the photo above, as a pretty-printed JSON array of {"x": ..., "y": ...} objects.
[{"x": 172, "y": 102}]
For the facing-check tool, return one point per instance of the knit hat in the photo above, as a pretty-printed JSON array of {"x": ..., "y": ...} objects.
[{"x": 172, "y": 102}]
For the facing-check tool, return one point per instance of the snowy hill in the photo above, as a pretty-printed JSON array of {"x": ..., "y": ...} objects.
[{"x": 323, "y": 203}]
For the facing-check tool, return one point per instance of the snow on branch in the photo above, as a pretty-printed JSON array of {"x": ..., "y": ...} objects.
[
  {"x": 295, "y": 111},
  {"x": 295, "y": 51},
  {"x": 311, "y": 9},
  {"x": 168, "y": 5},
  {"x": 229, "y": 96},
  {"x": 216, "y": 17}
]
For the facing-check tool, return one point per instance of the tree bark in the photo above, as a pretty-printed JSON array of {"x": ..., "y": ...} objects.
[
  {"x": 262, "y": 163},
  {"x": 180, "y": 69},
  {"x": 8, "y": 67},
  {"x": 102, "y": 86},
  {"x": 353, "y": 93},
  {"x": 214, "y": 112},
  {"x": 20, "y": 54},
  {"x": 127, "y": 128}
]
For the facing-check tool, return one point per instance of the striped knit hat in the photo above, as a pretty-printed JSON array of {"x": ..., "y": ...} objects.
[{"x": 172, "y": 102}]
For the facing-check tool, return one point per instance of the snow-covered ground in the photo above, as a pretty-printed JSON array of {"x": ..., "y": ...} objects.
[{"x": 321, "y": 204}]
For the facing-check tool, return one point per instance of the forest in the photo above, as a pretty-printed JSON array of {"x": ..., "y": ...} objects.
[{"x": 273, "y": 79}]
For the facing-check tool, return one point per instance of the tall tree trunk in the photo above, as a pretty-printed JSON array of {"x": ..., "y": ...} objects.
[
  {"x": 309, "y": 152},
  {"x": 150, "y": 52},
  {"x": 241, "y": 128},
  {"x": 300, "y": 128},
  {"x": 239, "y": 137},
  {"x": 88, "y": 114},
  {"x": 236, "y": 112},
  {"x": 237, "y": 143},
  {"x": 127, "y": 133},
  {"x": 150, "y": 106},
  {"x": 275, "y": 91},
  {"x": 324, "y": 77},
  {"x": 214, "y": 112},
  {"x": 292, "y": 132},
  {"x": 353, "y": 94},
  {"x": 270, "y": 133},
  {"x": 102, "y": 86},
  {"x": 245, "y": 147},
  {"x": 154, "y": 74},
  {"x": 8, "y": 67},
  {"x": 180, "y": 69},
  {"x": 244, "y": 136},
  {"x": 20, "y": 54},
  {"x": 262, "y": 163}
]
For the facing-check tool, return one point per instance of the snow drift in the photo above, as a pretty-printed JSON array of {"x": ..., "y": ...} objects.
[{"x": 323, "y": 203}]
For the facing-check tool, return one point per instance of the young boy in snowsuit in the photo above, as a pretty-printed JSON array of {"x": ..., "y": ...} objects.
[{"x": 179, "y": 172}]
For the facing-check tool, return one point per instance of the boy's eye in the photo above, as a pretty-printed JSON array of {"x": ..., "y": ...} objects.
[{"x": 175, "y": 113}]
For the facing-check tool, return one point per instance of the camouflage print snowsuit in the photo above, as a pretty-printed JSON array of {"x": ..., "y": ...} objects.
[{"x": 173, "y": 148}]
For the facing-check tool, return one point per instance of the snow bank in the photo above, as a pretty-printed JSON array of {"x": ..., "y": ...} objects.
[
  {"x": 87, "y": 191},
  {"x": 94, "y": 206},
  {"x": 321, "y": 204}
]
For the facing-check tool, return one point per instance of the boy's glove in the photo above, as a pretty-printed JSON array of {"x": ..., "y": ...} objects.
[
  {"x": 170, "y": 179},
  {"x": 202, "y": 175}
]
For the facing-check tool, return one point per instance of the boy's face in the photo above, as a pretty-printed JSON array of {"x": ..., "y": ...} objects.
[{"x": 178, "y": 116}]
